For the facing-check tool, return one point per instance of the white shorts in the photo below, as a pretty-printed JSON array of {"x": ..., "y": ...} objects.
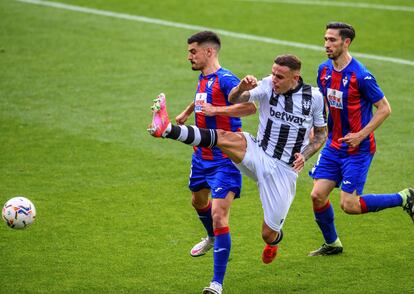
[{"x": 275, "y": 179}]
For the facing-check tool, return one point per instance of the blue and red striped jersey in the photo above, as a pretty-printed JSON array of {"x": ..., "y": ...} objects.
[
  {"x": 350, "y": 95},
  {"x": 214, "y": 89}
]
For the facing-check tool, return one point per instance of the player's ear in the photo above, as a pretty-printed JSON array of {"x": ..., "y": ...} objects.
[
  {"x": 210, "y": 51},
  {"x": 296, "y": 75},
  {"x": 347, "y": 42}
]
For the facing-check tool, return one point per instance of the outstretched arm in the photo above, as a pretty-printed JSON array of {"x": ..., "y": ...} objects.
[
  {"x": 318, "y": 139},
  {"x": 241, "y": 93},
  {"x": 383, "y": 111},
  {"x": 236, "y": 110}
]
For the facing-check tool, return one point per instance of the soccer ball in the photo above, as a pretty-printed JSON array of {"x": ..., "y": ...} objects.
[{"x": 19, "y": 212}]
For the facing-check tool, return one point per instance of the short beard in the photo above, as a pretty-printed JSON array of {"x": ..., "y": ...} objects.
[
  {"x": 335, "y": 56},
  {"x": 194, "y": 67}
]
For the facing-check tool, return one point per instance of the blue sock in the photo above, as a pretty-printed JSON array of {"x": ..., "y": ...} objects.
[
  {"x": 325, "y": 219},
  {"x": 377, "y": 202},
  {"x": 205, "y": 217},
  {"x": 222, "y": 246}
]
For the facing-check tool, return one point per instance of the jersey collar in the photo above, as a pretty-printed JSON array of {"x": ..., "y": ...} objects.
[
  {"x": 297, "y": 88},
  {"x": 210, "y": 75}
]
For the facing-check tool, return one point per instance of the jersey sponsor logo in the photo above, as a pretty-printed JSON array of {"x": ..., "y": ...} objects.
[
  {"x": 287, "y": 116},
  {"x": 200, "y": 99},
  {"x": 335, "y": 98}
]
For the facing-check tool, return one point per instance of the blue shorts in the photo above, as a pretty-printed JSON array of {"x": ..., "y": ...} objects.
[
  {"x": 220, "y": 176},
  {"x": 348, "y": 171}
]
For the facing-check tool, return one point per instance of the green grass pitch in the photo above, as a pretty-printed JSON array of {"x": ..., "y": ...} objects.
[{"x": 114, "y": 211}]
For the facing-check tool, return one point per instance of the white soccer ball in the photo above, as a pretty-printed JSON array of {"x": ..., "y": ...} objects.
[{"x": 19, "y": 212}]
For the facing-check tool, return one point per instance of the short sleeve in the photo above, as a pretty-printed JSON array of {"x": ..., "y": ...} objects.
[
  {"x": 262, "y": 90},
  {"x": 369, "y": 88},
  {"x": 228, "y": 82},
  {"x": 318, "y": 80},
  {"x": 319, "y": 114}
]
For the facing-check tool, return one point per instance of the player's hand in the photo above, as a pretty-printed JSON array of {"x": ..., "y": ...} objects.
[
  {"x": 208, "y": 109},
  {"x": 181, "y": 118},
  {"x": 247, "y": 83},
  {"x": 351, "y": 139},
  {"x": 299, "y": 162}
]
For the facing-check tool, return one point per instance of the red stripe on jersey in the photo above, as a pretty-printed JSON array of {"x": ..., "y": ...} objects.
[
  {"x": 206, "y": 153},
  {"x": 335, "y": 112},
  {"x": 322, "y": 77},
  {"x": 354, "y": 110}
]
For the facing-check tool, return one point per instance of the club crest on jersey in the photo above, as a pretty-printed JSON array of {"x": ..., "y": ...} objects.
[
  {"x": 335, "y": 98},
  {"x": 210, "y": 81},
  {"x": 306, "y": 105},
  {"x": 345, "y": 81}
]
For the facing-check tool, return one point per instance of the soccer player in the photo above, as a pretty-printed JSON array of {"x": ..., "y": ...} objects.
[
  {"x": 350, "y": 91},
  {"x": 288, "y": 110},
  {"x": 212, "y": 172}
]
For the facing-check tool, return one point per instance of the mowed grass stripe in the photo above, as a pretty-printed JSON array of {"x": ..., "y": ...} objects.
[
  {"x": 220, "y": 31},
  {"x": 351, "y": 5}
]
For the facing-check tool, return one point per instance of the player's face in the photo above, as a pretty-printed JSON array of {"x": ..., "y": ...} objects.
[
  {"x": 283, "y": 78},
  {"x": 198, "y": 56},
  {"x": 334, "y": 45}
]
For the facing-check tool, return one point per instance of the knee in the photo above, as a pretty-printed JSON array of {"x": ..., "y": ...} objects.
[
  {"x": 220, "y": 217},
  {"x": 221, "y": 132},
  {"x": 318, "y": 199},
  {"x": 227, "y": 139},
  {"x": 345, "y": 206},
  {"x": 222, "y": 140},
  {"x": 350, "y": 205},
  {"x": 199, "y": 202}
]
